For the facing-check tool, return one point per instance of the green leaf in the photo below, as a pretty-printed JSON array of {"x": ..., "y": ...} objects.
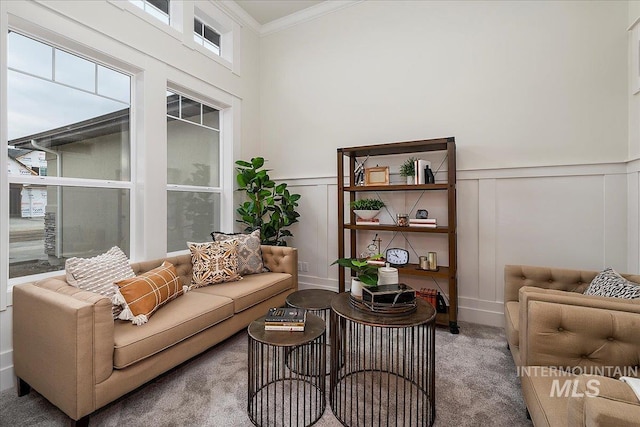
[
  {"x": 257, "y": 162},
  {"x": 243, "y": 163}
]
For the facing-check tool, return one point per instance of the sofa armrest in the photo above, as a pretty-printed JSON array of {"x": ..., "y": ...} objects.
[
  {"x": 602, "y": 401},
  {"x": 62, "y": 342},
  {"x": 281, "y": 259},
  {"x": 566, "y": 329}
]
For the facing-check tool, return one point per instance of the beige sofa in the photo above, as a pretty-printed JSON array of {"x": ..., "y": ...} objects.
[
  {"x": 558, "y": 336},
  {"x": 67, "y": 346}
]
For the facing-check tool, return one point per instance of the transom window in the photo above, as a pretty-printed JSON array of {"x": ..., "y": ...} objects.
[
  {"x": 206, "y": 36},
  {"x": 159, "y": 9}
]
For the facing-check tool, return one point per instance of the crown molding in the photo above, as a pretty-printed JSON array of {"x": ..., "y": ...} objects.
[
  {"x": 305, "y": 15},
  {"x": 313, "y": 12},
  {"x": 241, "y": 15}
]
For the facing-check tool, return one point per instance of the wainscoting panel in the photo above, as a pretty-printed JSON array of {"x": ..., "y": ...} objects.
[{"x": 583, "y": 217}]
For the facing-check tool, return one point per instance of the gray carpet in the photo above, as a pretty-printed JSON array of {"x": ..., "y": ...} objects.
[{"x": 476, "y": 385}]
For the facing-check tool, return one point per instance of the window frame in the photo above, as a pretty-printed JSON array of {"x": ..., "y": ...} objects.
[
  {"x": 183, "y": 188},
  {"x": 71, "y": 47},
  {"x": 203, "y": 36},
  {"x": 210, "y": 15}
]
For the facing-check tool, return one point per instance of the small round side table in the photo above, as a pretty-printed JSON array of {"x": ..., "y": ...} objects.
[
  {"x": 382, "y": 366},
  {"x": 287, "y": 374},
  {"x": 317, "y": 301}
]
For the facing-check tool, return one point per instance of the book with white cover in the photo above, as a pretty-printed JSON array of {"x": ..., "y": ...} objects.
[
  {"x": 285, "y": 328},
  {"x": 420, "y": 165}
]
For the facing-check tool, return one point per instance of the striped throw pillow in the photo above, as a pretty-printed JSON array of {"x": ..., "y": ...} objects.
[
  {"x": 99, "y": 274},
  {"x": 142, "y": 295}
]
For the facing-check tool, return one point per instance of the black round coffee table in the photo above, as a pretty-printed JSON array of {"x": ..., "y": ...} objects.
[
  {"x": 287, "y": 371},
  {"x": 382, "y": 367}
]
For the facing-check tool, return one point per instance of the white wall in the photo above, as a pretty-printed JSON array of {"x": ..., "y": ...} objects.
[
  {"x": 634, "y": 145},
  {"x": 114, "y": 32},
  {"x": 535, "y": 93},
  {"x": 517, "y": 83}
]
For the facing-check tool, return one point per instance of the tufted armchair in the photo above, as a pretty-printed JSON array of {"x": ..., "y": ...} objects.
[{"x": 557, "y": 335}]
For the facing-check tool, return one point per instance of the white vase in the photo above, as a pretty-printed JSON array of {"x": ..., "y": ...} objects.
[
  {"x": 410, "y": 180},
  {"x": 366, "y": 214},
  {"x": 356, "y": 287}
]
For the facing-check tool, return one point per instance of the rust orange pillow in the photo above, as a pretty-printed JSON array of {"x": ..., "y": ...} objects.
[{"x": 142, "y": 295}]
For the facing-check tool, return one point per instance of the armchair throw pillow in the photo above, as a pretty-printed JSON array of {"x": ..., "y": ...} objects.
[
  {"x": 249, "y": 252},
  {"x": 99, "y": 274},
  {"x": 214, "y": 262},
  {"x": 608, "y": 283},
  {"x": 142, "y": 295}
]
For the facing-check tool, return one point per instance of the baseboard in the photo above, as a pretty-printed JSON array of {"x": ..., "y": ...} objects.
[
  {"x": 7, "y": 376},
  {"x": 481, "y": 317}
]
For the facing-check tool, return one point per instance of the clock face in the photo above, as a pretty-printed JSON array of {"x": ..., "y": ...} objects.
[{"x": 397, "y": 256}]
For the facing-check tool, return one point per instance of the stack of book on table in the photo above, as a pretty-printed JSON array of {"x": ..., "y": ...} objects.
[
  {"x": 285, "y": 319},
  {"x": 424, "y": 222},
  {"x": 363, "y": 221}
]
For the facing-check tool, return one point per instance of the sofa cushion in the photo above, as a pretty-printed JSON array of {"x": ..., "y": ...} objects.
[
  {"x": 214, "y": 262},
  {"x": 249, "y": 252},
  {"x": 183, "y": 318},
  {"x": 252, "y": 290},
  {"x": 142, "y": 295},
  {"x": 547, "y": 402},
  {"x": 99, "y": 274},
  {"x": 608, "y": 283}
]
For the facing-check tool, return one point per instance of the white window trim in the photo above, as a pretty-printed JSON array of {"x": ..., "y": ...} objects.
[
  {"x": 230, "y": 124},
  {"x": 229, "y": 30},
  {"x": 6, "y": 295},
  {"x": 192, "y": 95},
  {"x": 45, "y": 36},
  {"x": 174, "y": 28}
]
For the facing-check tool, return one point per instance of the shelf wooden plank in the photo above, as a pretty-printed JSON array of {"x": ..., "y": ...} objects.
[
  {"x": 413, "y": 270},
  {"x": 398, "y": 187},
  {"x": 398, "y": 147},
  {"x": 440, "y": 230}
]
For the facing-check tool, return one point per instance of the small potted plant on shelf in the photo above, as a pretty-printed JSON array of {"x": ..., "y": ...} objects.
[
  {"x": 367, "y": 208},
  {"x": 408, "y": 170},
  {"x": 366, "y": 274}
]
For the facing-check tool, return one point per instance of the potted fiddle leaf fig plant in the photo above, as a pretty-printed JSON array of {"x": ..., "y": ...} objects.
[
  {"x": 270, "y": 207},
  {"x": 366, "y": 274}
]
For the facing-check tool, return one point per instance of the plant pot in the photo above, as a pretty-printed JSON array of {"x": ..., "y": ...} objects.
[
  {"x": 366, "y": 214},
  {"x": 410, "y": 180},
  {"x": 356, "y": 287}
]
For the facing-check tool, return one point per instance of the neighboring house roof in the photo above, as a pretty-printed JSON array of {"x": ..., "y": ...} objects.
[{"x": 106, "y": 124}]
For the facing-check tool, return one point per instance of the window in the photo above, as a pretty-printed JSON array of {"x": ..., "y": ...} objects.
[
  {"x": 68, "y": 154},
  {"x": 193, "y": 171},
  {"x": 159, "y": 9},
  {"x": 206, "y": 36}
]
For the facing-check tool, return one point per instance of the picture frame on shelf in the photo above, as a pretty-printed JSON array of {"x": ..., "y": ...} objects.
[{"x": 378, "y": 175}]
